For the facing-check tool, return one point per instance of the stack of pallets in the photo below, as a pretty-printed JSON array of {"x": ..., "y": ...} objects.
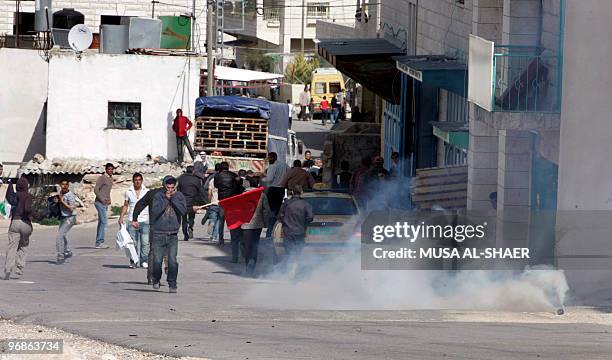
[
  {"x": 444, "y": 187},
  {"x": 233, "y": 135}
]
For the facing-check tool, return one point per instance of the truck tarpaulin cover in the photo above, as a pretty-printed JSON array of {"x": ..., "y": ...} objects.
[
  {"x": 277, "y": 115},
  {"x": 235, "y": 106}
]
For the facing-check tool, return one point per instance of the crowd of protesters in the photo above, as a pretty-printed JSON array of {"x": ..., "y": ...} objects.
[{"x": 154, "y": 217}]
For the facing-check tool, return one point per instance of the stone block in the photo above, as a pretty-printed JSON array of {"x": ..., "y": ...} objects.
[
  {"x": 480, "y": 192},
  {"x": 514, "y": 214},
  {"x": 482, "y": 160},
  {"x": 513, "y": 179},
  {"x": 514, "y": 162},
  {"x": 484, "y": 143},
  {"x": 513, "y": 197},
  {"x": 482, "y": 176}
]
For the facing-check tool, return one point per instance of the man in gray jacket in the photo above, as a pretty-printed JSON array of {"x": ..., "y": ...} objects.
[
  {"x": 166, "y": 208},
  {"x": 295, "y": 215}
]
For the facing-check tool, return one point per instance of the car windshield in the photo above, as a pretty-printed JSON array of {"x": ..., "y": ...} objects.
[{"x": 332, "y": 206}]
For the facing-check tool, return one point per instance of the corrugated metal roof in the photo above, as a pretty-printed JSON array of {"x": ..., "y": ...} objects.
[{"x": 83, "y": 167}]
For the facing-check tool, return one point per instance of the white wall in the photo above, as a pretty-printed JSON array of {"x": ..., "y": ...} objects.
[
  {"x": 79, "y": 92},
  {"x": 23, "y": 75},
  {"x": 585, "y": 173}
]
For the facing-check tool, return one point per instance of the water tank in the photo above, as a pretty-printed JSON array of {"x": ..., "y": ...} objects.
[
  {"x": 43, "y": 15},
  {"x": 67, "y": 18},
  {"x": 114, "y": 39}
]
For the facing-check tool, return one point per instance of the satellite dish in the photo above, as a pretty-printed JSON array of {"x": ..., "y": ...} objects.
[{"x": 80, "y": 37}]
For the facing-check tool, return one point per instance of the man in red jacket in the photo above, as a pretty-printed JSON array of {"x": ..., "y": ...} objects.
[{"x": 181, "y": 126}]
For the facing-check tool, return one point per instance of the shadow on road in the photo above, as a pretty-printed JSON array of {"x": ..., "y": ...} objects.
[
  {"x": 144, "y": 290},
  {"x": 116, "y": 266},
  {"x": 129, "y": 282},
  {"x": 42, "y": 261}
]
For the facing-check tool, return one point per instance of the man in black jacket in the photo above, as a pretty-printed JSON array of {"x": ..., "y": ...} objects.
[
  {"x": 295, "y": 215},
  {"x": 192, "y": 187},
  {"x": 228, "y": 184}
]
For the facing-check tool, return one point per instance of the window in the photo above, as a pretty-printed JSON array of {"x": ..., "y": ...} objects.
[
  {"x": 124, "y": 115},
  {"x": 317, "y": 10},
  {"x": 320, "y": 88},
  {"x": 332, "y": 206},
  {"x": 334, "y": 87}
]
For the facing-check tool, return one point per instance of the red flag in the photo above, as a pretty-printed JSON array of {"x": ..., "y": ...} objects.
[{"x": 239, "y": 209}]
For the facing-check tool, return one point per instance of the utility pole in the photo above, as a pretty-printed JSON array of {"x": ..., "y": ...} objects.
[
  {"x": 303, "y": 14},
  {"x": 210, "y": 64},
  {"x": 193, "y": 26}
]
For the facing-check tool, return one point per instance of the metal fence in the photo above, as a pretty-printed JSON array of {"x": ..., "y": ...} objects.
[{"x": 526, "y": 79}]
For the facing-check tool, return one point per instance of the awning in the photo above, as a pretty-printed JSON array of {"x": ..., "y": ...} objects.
[
  {"x": 454, "y": 133},
  {"x": 367, "y": 61},
  {"x": 437, "y": 70},
  {"x": 230, "y": 73}
]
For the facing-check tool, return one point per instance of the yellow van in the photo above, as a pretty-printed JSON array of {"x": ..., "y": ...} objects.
[{"x": 325, "y": 82}]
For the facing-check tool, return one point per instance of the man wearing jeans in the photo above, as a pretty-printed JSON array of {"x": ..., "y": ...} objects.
[
  {"x": 67, "y": 203},
  {"x": 181, "y": 126},
  {"x": 165, "y": 211},
  {"x": 295, "y": 215},
  {"x": 140, "y": 235},
  {"x": 103, "y": 187}
]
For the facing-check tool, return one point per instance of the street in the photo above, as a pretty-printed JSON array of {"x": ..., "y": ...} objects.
[{"x": 96, "y": 295}]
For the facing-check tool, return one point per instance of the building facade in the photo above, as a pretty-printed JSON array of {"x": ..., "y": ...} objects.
[
  {"x": 94, "y": 106},
  {"x": 95, "y": 10}
]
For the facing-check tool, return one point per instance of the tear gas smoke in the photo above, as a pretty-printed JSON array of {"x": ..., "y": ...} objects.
[{"x": 341, "y": 284}]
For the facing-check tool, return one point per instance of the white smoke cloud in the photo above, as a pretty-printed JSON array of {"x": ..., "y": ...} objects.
[{"x": 341, "y": 284}]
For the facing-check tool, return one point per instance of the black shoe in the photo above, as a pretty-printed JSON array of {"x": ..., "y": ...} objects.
[
  {"x": 149, "y": 282},
  {"x": 172, "y": 290},
  {"x": 190, "y": 233},
  {"x": 7, "y": 276},
  {"x": 67, "y": 254},
  {"x": 60, "y": 261},
  {"x": 156, "y": 286}
]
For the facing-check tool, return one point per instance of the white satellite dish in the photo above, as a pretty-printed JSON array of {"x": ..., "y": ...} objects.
[{"x": 80, "y": 37}]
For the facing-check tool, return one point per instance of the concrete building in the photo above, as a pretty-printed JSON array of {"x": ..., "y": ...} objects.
[
  {"x": 275, "y": 26},
  {"x": 96, "y": 106},
  {"x": 94, "y": 10}
]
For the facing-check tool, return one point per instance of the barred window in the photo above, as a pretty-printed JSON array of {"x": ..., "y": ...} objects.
[
  {"x": 124, "y": 115},
  {"x": 317, "y": 10}
]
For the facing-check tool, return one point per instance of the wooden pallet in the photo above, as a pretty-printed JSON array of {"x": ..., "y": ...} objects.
[
  {"x": 228, "y": 134},
  {"x": 445, "y": 187}
]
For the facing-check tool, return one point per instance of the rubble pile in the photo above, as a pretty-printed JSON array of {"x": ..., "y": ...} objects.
[{"x": 83, "y": 173}]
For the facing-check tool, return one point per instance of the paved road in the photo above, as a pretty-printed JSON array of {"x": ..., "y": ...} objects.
[
  {"x": 313, "y": 134},
  {"x": 212, "y": 316}
]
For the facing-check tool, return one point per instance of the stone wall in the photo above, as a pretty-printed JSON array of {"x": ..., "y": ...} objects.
[{"x": 350, "y": 142}]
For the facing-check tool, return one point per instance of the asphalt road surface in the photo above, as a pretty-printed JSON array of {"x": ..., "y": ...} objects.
[{"x": 96, "y": 295}]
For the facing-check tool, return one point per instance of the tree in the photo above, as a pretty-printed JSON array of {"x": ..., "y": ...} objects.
[
  {"x": 258, "y": 60},
  {"x": 300, "y": 69}
]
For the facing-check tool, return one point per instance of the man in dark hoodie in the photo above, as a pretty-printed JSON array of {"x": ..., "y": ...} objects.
[
  {"x": 20, "y": 228},
  {"x": 229, "y": 184},
  {"x": 166, "y": 207},
  {"x": 192, "y": 187}
]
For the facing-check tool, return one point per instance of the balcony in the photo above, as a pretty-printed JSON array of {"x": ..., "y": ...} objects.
[
  {"x": 526, "y": 79},
  {"x": 247, "y": 20}
]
